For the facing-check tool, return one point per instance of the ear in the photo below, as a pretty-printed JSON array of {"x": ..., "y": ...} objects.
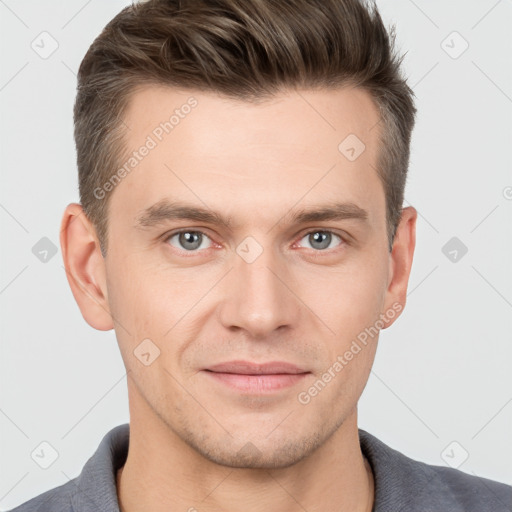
[
  {"x": 85, "y": 267},
  {"x": 400, "y": 263}
]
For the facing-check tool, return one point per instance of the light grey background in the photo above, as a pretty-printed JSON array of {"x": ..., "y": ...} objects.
[{"x": 442, "y": 372}]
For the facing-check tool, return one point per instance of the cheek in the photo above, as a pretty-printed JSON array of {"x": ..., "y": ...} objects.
[
  {"x": 350, "y": 306},
  {"x": 137, "y": 298},
  {"x": 348, "y": 298},
  {"x": 154, "y": 300}
]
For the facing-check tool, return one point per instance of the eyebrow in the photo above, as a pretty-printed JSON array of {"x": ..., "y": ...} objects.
[{"x": 165, "y": 210}]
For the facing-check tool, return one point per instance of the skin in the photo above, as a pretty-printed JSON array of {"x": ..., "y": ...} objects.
[{"x": 194, "y": 442}]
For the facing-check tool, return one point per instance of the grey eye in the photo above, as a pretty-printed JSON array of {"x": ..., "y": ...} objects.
[
  {"x": 189, "y": 240},
  {"x": 320, "y": 240}
]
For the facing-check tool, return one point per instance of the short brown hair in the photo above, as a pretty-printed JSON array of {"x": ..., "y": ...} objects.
[{"x": 243, "y": 49}]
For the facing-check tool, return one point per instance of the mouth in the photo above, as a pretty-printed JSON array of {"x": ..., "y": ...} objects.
[{"x": 260, "y": 378}]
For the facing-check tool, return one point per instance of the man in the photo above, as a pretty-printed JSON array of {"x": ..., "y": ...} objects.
[{"x": 242, "y": 167}]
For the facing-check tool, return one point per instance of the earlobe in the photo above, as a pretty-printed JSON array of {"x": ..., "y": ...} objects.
[
  {"x": 85, "y": 267},
  {"x": 401, "y": 258}
]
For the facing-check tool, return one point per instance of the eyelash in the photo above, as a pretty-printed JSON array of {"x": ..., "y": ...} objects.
[{"x": 317, "y": 252}]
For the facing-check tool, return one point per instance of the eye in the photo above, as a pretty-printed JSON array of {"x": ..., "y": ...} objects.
[
  {"x": 320, "y": 240},
  {"x": 189, "y": 240}
]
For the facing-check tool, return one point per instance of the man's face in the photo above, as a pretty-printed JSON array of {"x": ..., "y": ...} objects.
[{"x": 263, "y": 286}]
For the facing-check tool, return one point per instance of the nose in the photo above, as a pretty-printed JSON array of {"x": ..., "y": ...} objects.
[{"x": 259, "y": 297}]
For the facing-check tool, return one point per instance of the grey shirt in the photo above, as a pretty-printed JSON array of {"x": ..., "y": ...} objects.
[{"x": 401, "y": 483}]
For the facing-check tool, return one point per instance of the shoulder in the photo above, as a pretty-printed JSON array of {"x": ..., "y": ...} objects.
[
  {"x": 402, "y": 483},
  {"x": 57, "y": 499},
  {"x": 94, "y": 489},
  {"x": 461, "y": 491},
  {"x": 471, "y": 492}
]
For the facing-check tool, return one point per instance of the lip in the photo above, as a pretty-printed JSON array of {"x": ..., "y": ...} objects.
[
  {"x": 249, "y": 368},
  {"x": 256, "y": 378}
]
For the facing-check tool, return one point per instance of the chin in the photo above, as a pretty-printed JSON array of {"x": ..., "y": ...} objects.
[{"x": 262, "y": 454}]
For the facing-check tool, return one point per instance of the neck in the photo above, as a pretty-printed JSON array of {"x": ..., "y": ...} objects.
[{"x": 163, "y": 473}]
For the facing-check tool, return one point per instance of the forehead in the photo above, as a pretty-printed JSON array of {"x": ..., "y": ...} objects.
[
  {"x": 288, "y": 117},
  {"x": 204, "y": 147}
]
